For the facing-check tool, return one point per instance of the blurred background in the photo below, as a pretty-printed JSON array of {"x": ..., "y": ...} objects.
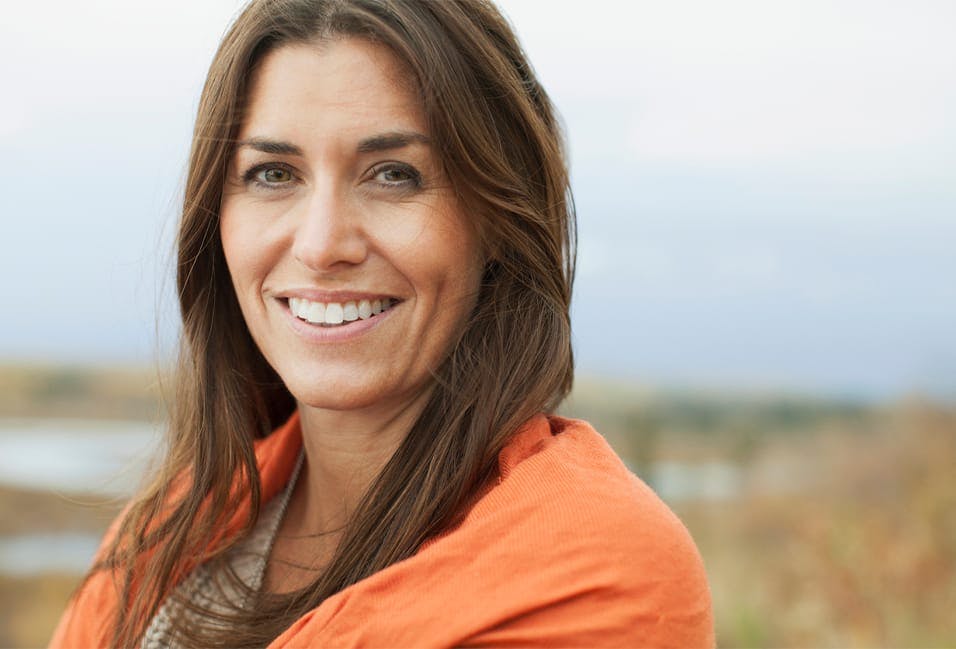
[{"x": 764, "y": 312}]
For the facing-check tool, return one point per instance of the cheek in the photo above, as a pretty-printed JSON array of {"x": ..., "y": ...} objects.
[
  {"x": 245, "y": 255},
  {"x": 234, "y": 250},
  {"x": 450, "y": 260},
  {"x": 456, "y": 267}
]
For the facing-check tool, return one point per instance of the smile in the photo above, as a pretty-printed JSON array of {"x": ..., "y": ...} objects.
[{"x": 333, "y": 314}]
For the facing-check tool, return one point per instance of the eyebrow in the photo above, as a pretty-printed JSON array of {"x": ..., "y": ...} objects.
[
  {"x": 388, "y": 141},
  {"x": 382, "y": 142},
  {"x": 270, "y": 146}
]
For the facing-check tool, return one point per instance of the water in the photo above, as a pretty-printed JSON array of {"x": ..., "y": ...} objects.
[
  {"x": 70, "y": 455},
  {"x": 34, "y": 554},
  {"x": 65, "y": 456},
  {"x": 709, "y": 481}
]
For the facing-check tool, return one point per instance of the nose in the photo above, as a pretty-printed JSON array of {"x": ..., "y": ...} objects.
[{"x": 329, "y": 234}]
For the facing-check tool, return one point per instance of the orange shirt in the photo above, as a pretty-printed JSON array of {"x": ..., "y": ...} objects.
[{"x": 567, "y": 549}]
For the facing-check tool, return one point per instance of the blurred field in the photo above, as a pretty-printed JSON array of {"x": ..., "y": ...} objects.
[
  {"x": 840, "y": 529},
  {"x": 843, "y": 533},
  {"x": 74, "y": 391}
]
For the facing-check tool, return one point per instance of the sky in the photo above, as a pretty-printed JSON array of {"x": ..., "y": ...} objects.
[{"x": 765, "y": 190}]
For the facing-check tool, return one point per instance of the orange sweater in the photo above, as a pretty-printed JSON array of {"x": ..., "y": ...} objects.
[{"x": 568, "y": 549}]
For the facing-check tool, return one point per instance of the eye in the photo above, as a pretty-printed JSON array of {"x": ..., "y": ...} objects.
[
  {"x": 275, "y": 175},
  {"x": 269, "y": 176},
  {"x": 393, "y": 174}
]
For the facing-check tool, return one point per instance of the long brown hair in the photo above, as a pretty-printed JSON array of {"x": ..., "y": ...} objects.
[{"x": 501, "y": 147}]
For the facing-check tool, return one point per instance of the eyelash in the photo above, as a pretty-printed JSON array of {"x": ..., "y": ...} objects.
[
  {"x": 413, "y": 178},
  {"x": 252, "y": 175},
  {"x": 412, "y": 181}
]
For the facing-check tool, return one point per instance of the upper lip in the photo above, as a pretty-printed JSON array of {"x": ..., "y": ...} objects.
[{"x": 341, "y": 297}]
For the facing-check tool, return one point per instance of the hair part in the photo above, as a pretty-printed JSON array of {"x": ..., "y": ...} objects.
[{"x": 499, "y": 141}]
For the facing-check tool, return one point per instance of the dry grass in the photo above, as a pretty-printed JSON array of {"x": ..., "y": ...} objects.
[
  {"x": 858, "y": 551},
  {"x": 64, "y": 391},
  {"x": 24, "y": 511},
  {"x": 30, "y": 608}
]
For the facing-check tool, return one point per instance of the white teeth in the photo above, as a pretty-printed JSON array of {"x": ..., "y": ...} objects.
[
  {"x": 335, "y": 313},
  {"x": 365, "y": 309},
  {"x": 315, "y": 313}
]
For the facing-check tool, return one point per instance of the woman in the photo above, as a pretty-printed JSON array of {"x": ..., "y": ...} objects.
[{"x": 375, "y": 266}]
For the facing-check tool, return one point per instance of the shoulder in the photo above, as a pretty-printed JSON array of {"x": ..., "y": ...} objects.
[
  {"x": 575, "y": 480},
  {"x": 566, "y": 548},
  {"x": 569, "y": 512}
]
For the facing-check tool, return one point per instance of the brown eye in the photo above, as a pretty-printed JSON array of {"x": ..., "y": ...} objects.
[
  {"x": 397, "y": 175},
  {"x": 269, "y": 176},
  {"x": 276, "y": 175},
  {"x": 394, "y": 175}
]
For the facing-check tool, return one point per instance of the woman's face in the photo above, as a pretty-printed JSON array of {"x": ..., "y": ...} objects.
[{"x": 352, "y": 261}]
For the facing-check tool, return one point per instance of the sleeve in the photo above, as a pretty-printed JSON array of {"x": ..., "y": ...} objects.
[
  {"x": 86, "y": 621},
  {"x": 605, "y": 580}
]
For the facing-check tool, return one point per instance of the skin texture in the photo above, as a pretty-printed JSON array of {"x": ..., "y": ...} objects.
[{"x": 324, "y": 201}]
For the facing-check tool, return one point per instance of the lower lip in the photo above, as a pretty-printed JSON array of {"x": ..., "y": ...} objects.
[{"x": 339, "y": 333}]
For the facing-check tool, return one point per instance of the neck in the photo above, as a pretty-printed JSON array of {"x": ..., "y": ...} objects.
[{"x": 344, "y": 452}]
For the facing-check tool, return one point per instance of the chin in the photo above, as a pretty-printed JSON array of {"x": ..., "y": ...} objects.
[
  {"x": 328, "y": 398},
  {"x": 341, "y": 395}
]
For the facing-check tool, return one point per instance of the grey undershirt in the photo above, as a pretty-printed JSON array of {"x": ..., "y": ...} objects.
[{"x": 209, "y": 586}]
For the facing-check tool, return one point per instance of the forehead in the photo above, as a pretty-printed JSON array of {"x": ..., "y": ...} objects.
[{"x": 344, "y": 86}]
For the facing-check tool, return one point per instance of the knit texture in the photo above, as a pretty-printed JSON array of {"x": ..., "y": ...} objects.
[
  {"x": 567, "y": 549},
  {"x": 209, "y": 586}
]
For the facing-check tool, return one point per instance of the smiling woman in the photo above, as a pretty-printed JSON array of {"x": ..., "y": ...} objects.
[
  {"x": 344, "y": 207},
  {"x": 375, "y": 266}
]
